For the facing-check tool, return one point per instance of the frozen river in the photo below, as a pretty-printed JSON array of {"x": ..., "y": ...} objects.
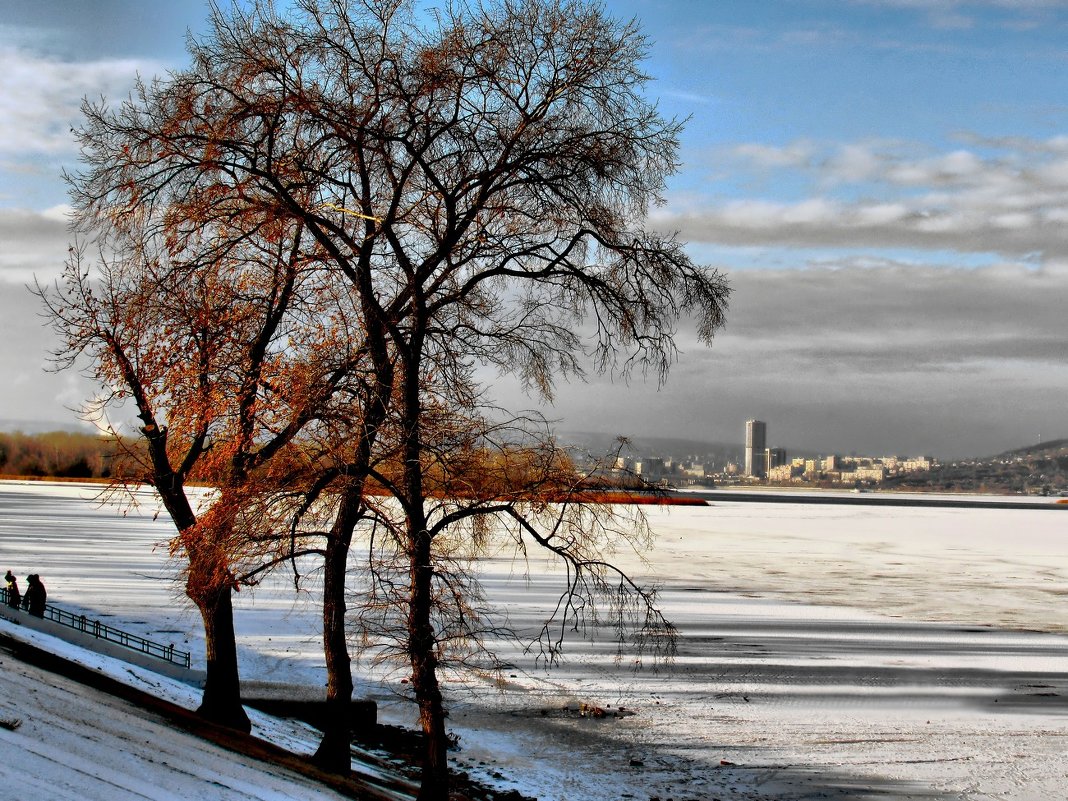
[{"x": 826, "y": 651}]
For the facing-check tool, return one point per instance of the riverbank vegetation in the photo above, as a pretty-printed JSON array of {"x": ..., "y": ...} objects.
[{"x": 60, "y": 454}]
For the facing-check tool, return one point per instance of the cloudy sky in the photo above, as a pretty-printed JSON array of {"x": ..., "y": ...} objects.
[{"x": 884, "y": 181}]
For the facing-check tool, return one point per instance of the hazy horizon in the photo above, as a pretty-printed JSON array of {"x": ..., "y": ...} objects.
[{"x": 641, "y": 443}]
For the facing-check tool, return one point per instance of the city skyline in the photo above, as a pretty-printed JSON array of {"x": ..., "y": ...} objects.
[{"x": 885, "y": 183}]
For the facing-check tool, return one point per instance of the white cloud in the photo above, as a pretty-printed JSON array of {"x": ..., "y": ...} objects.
[
  {"x": 40, "y": 97},
  {"x": 814, "y": 211},
  {"x": 1018, "y": 221},
  {"x": 853, "y": 163},
  {"x": 891, "y": 312},
  {"x": 58, "y": 213},
  {"x": 1007, "y": 198},
  {"x": 963, "y": 15},
  {"x": 29, "y": 391},
  {"x": 1055, "y": 172},
  {"x": 877, "y": 214},
  {"x": 767, "y": 38},
  {"x": 798, "y": 154},
  {"x": 688, "y": 97},
  {"x": 1055, "y": 145}
]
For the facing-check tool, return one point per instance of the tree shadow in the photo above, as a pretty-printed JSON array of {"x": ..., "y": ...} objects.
[{"x": 880, "y": 680}]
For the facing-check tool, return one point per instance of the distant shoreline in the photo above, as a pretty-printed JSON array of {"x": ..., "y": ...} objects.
[
  {"x": 703, "y": 497},
  {"x": 590, "y": 496},
  {"x": 56, "y": 479},
  {"x": 873, "y": 499}
]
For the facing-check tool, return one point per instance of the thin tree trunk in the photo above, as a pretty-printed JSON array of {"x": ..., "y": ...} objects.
[
  {"x": 422, "y": 641},
  {"x": 435, "y": 777},
  {"x": 334, "y": 753}
]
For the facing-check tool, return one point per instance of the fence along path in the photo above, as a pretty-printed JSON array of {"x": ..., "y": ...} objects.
[{"x": 102, "y": 631}]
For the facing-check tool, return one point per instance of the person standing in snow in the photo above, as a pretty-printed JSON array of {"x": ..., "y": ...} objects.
[
  {"x": 34, "y": 599},
  {"x": 13, "y": 596}
]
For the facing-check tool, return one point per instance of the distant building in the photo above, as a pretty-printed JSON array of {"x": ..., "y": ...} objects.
[
  {"x": 917, "y": 465},
  {"x": 782, "y": 472},
  {"x": 756, "y": 435},
  {"x": 873, "y": 473},
  {"x": 651, "y": 468}
]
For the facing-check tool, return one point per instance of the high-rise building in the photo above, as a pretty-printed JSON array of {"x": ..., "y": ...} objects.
[{"x": 756, "y": 436}]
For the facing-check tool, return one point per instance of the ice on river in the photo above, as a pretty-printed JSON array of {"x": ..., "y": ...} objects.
[{"x": 825, "y": 651}]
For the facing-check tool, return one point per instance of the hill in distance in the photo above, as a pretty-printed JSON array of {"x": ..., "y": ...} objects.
[
  {"x": 1050, "y": 448},
  {"x": 1040, "y": 469}
]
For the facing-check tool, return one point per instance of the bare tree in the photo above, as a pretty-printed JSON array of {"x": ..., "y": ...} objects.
[
  {"x": 513, "y": 159},
  {"x": 485, "y": 485},
  {"x": 478, "y": 180},
  {"x": 493, "y": 484}
]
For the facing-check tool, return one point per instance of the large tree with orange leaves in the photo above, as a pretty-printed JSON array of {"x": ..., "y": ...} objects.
[
  {"x": 224, "y": 355},
  {"x": 473, "y": 182}
]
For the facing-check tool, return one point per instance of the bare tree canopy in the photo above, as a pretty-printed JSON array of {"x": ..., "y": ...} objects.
[{"x": 492, "y": 168}]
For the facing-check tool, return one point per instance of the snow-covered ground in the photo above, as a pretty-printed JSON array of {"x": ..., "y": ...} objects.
[
  {"x": 61, "y": 740},
  {"x": 826, "y": 651}
]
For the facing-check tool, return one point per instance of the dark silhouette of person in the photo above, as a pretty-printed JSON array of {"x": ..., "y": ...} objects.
[
  {"x": 34, "y": 599},
  {"x": 14, "y": 599}
]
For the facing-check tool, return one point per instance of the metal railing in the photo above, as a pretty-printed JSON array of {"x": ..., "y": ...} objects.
[{"x": 102, "y": 631}]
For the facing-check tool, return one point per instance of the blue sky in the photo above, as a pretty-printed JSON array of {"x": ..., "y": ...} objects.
[{"x": 884, "y": 181}]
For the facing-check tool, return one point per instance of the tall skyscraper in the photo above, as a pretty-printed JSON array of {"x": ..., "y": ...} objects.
[{"x": 756, "y": 436}]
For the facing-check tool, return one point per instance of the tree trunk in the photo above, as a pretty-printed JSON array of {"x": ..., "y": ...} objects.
[
  {"x": 222, "y": 687},
  {"x": 422, "y": 640},
  {"x": 334, "y": 753},
  {"x": 435, "y": 777},
  {"x": 221, "y": 702}
]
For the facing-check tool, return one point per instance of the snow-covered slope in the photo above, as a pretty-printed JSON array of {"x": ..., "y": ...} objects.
[{"x": 60, "y": 739}]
